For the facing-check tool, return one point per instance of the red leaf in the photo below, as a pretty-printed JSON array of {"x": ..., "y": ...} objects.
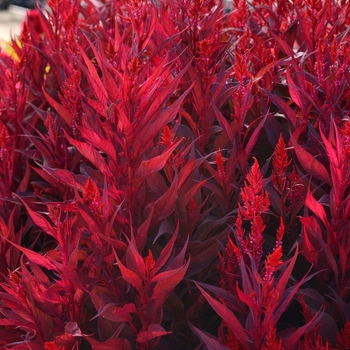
[
  {"x": 130, "y": 276},
  {"x": 65, "y": 341},
  {"x": 39, "y": 146},
  {"x": 185, "y": 198},
  {"x": 310, "y": 250},
  {"x": 229, "y": 299},
  {"x": 203, "y": 253},
  {"x": 95, "y": 80},
  {"x": 254, "y": 137},
  {"x": 285, "y": 108},
  {"x": 39, "y": 220},
  {"x": 343, "y": 259},
  {"x": 36, "y": 258},
  {"x": 32, "y": 345},
  {"x": 328, "y": 254},
  {"x": 62, "y": 111},
  {"x": 208, "y": 340},
  {"x": 280, "y": 305},
  {"x": 97, "y": 107},
  {"x": 228, "y": 316},
  {"x": 165, "y": 275},
  {"x": 266, "y": 68},
  {"x": 281, "y": 43},
  {"x": 248, "y": 300},
  {"x": 155, "y": 164},
  {"x": 154, "y": 80},
  {"x": 153, "y": 331},
  {"x": 317, "y": 208},
  {"x": 97, "y": 141},
  {"x": 66, "y": 177},
  {"x": 224, "y": 124},
  {"x": 166, "y": 251},
  {"x": 294, "y": 91},
  {"x": 165, "y": 205},
  {"x": 112, "y": 344},
  {"x": 90, "y": 153},
  {"x": 142, "y": 231},
  {"x": 151, "y": 125},
  {"x": 22, "y": 187},
  {"x": 108, "y": 80},
  {"x": 322, "y": 22},
  {"x": 106, "y": 305},
  {"x": 167, "y": 283},
  {"x": 334, "y": 157},
  {"x": 283, "y": 280},
  {"x": 124, "y": 125},
  {"x": 134, "y": 260},
  {"x": 164, "y": 94},
  {"x": 187, "y": 169},
  {"x": 310, "y": 163},
  {"x": 179, "y": 259},
  {"x": 113, "y": 313},
  {"x": 86, "y": 215},
  {"x": 290, "y": 342},
  {"x": 305, "y": 29}
]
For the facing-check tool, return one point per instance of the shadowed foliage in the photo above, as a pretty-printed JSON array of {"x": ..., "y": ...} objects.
[{"x": 175, "y": 174}]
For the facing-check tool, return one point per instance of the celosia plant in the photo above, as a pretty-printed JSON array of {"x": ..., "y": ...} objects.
[{"x": 175, "y": 175}]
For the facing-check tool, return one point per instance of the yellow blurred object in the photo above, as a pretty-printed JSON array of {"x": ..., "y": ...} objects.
[
  {"x": 3, "y": 44},
  {"x": 6, "y": 48}
]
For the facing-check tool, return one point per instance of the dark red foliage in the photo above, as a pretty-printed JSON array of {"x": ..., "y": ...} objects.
[{"x": 176, "y": 175}]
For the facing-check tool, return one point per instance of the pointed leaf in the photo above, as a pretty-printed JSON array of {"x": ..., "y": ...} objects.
[
  {"x": 179, "y": 259},
  {"x": 203, "y": 253},
  {"x": 310, "y": 163},
  {"x": 294, "y": 91},
  {"x": 170, "y": 279},
  {"x": 165, "y": 205},
  {"x": 155, "y": 164},
  {"x": 224, "y": 124},
  {"x": 142, "y": 231},
  {"x": 99, "y": 142},
  {"x": 39, "y": 220},
  {"x": 228, "y": 316},
  {"x": 66, "y": 177},
  {"x": 134, "y": 260},
  {"x": 317, "y": 208},
  {"x": 248, "y": 300},
  {"x": 290, "y": 342},
  {"x": 284, "y": 107},
  {"x": 62, "y": 111},
  {"x": 90, "y": 153},
  {"x": 188, "y": 168},
  {"x": 254, "y": 137},
  {"x": 154, "y": 80},
  {"x": 210, "y": 342},
  {"x": 283, "y": 280},
  {"x": 111, "y": 344},
  {"x": 95, "y": 80},
  {"x": 36, "y": 258},
  {"x": 129, "y": 275},
  {"x": 310, "y": 249},
  {"x": 150, "y": 129},
  {"x": 153, "y": 331},
  {"x": 109, "y": 82},
  {"x": 328, "y": 254},
  {"x": 166, "y": 251},
  {"x": 305, "y": 29}
]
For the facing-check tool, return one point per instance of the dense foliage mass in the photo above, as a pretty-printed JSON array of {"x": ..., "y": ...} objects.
[{"x": 174, "y": 174}]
